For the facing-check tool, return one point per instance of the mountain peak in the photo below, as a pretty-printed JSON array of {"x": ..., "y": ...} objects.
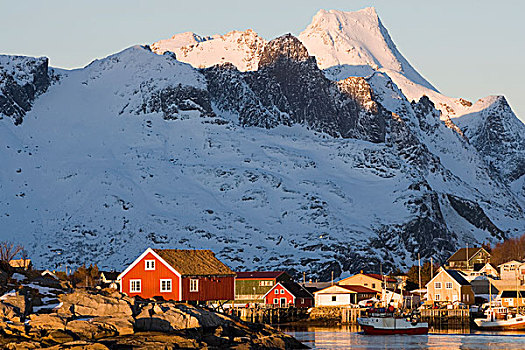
[
  {"x": 284, "y": 47},
  {"x": 354, "y": 42}
]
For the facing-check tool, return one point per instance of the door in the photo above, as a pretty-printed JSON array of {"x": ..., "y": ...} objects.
[{"x": 283, "y": 302}]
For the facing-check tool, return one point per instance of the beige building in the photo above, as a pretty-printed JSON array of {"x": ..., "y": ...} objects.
[
  {"x": 369, "y": 280},
  {"x": 449, "y": 286},
  {"x": 343, "y": 295},
  {"x": 512, "y": 270}
]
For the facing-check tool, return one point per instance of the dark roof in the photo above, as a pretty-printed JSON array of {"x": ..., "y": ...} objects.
[
  {"x": 461, "y": 255},
  {"x": 296, "y": 290},
  {"x": 458, "y": 276},
  {"x": 359, "y": 289},
  {"x": 259, "y": 274},
  {"x": 379, "y": 277},
  {"x": 512, "y": 294},
  {"x": 110, "y": 275},
  {"x": 194, "y": 262}
]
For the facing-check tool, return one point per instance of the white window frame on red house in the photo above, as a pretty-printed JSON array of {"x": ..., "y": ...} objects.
[
  {"x": 168, "y": 283},
  {"x": 131, "y": 285},
  {"x": 194, "y": 285},
  {"x": 149, "y": 265},
  {"x": 276, "y": 291},
  {"x": 276, "y": 301},
  {"x": 282, "y": 291}
]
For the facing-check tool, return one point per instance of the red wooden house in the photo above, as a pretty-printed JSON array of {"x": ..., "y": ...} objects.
[
  {"x": 183, "y": 275},
  {"x": 285, "y": 294}
]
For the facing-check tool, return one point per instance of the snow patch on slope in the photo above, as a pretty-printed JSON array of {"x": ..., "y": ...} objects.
[{"x": 242, "y": 49}]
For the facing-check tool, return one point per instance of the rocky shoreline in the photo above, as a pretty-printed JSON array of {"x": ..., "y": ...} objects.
[{"x": 38, "y": 312}]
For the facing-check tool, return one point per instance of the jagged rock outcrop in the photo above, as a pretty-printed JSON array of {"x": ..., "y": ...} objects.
[
  {"x": 22, "y": 79},
  {"x": 289, "y": 89}
]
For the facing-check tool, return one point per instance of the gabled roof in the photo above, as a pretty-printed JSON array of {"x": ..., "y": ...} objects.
[
  {"x": 194, "y": 262},
  {"x": 461, "y": 255},
  {"x": 511, "y": 261},
  {"x": 259, "y": 274},
  {"x": 110, "y": 275},
  {"x": 512, "y": 294},
  {"x": 458, "y": 276},
  {"x": 293, "y": 288},
  {"x": 379, "y": 277}
]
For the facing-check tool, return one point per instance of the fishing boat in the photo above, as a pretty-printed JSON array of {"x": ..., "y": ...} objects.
[
  {"x": 501, "y": 319},
  {"x": 389, "y": 324}
]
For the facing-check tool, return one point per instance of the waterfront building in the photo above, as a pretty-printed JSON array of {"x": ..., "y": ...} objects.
[
  {"x": 183, "y": 275},
  {"x": 342, "y": 295},
  {"x": 251, "y": 286},
  {"x": 449, "y": 286},
  {"x": 370, "y": 280},
  {"x": 288, "y": 294}
]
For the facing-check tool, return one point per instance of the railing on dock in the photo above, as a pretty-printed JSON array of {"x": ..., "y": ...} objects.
[{"x": 446, "y": 317}]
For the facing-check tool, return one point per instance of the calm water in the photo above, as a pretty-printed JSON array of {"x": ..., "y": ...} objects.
[{"x": 352, "y": 338}]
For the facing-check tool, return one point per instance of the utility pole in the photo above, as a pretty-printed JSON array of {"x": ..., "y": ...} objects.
[
  {"x": 431, "y": 268},
  {"x": 304, "y": 278},
  {"x": 419, "y": 268}
]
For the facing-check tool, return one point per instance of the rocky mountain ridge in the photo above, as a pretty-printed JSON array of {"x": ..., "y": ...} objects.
[{"x": 274, "y": 167}]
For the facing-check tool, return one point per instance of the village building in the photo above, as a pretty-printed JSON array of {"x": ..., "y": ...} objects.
[
  {"x": 288, "y": 294},
  {"x": 342, "y": 295},
  {"x": 370, "y": 280},
  {"x": 449, "y": 286},
  {"x": 109, "y": 279},
  {"x": 512, "y": 270},
  {"x": 21, "y": 263},
  {"x": 49, "y": 274},
  {"x": 183, "y": 275},
  {"x": 467, "y": 258},
  {"x": 251, "y": 286},
  {"x": 510, "y": 298},
  {"x": 489, "y": 270}
]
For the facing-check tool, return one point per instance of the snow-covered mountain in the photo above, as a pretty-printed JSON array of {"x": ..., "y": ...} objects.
[{"x": 255, "y": 150}]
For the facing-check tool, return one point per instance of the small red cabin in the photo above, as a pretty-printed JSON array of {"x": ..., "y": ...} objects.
[
  {"x": 183, "y": 275},
  {"x": 285, "y": 294}
]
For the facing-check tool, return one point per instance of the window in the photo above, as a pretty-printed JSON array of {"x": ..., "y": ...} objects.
[
  {"x": 302, "y": 300},
  {"x": 282, "y": 291},
  {"x": 276, "y": 301},
  {"x": 276, "y": 291},
  {"x": 438, "y": 297},
  {"x": 265, "y": 283},
  {"x": 373, "y": 285},
  {"x": 150, "y": 264},
  {"x": 194, "y": 285},
  {"x": 448, "y": 285},
  {"x": 165, "y": 286},
  {"x": 134, "y": 286},
  {"x": 334, "y": 297},
  {"x": 437, "y": 285}
]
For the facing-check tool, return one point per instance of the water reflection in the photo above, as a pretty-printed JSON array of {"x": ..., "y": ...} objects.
[{"x": 350, "y": 337}]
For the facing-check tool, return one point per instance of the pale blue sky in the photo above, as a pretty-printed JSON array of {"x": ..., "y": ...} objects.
[{"x": 466, "y": 48}]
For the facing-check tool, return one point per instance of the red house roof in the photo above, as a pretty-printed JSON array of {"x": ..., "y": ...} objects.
[
  {"x": 359, "y": 289},
  {"x": 379, "y": 277},
  {"x": 194, "y": 262},
  {"x": 259, "y": 274}
]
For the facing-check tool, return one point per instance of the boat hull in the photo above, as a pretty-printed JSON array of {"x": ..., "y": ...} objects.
[
  {"x": 391, "y": 326},
  {"x": 384, "y": 331},
  {"x": 500, "y": 326}
]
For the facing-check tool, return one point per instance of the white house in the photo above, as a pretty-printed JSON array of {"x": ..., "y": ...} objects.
[{"x": 337, "y": 295}]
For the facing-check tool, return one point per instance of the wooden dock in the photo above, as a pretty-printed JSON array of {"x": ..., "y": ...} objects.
[
  {"x": 446, "y": 318},
  {"x": 349, "y": 315},
  {"x": 273, "y": 315}
]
